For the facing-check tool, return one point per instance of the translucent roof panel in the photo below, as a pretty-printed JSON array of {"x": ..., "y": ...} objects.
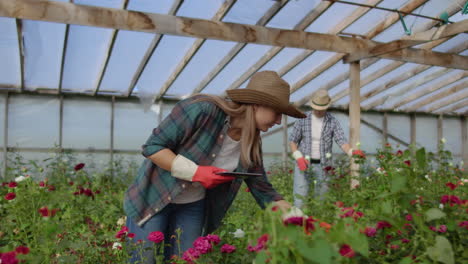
[
  {"x": 445, "y": 108},
  {"x": 10, "y": 73},
  {"x": 322, "y": 79},
  {"x": 129, "y": 48},
  {"x": 396, "y": 95},
  {"x": 285, "y": 19},
  {"x": 150, "y": 6},
  {"x": 194, "y": 9},
  {"x": 312, "y": 62},
  {"x": 433, "y": 8},
  {"x": 458, "y": 97},
  {"x": 128, "y": 51},
  {"x": 43, "y": 47},
  {"x": 435, "y": 93},
  {"x": 373, "y": 17},
  {"x": 203, "y": 62},
  {"x": 246, "y": 58},
  {"x": 281, "y": 59},
  {"x": 457, "y": 17},
  {"x": 101, "y": 3},
  {"x": 452, "y": 43},
  {"x": 373, "y": 68},
  {"x": 377, "y": 84},
  {"x": 84, "y": 58},
  {"x": 278, "y": 61},
  {"x": 248, "y": 11},
  {"x": 170, "y": 51},
  {"x": 463, "y": 110},
  {"x": 330, "y": 18}
]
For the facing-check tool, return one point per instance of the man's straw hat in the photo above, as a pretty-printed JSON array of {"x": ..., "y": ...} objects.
[
  {"x": 320, "y": 100},
  {"x": 268, "y": 89}
]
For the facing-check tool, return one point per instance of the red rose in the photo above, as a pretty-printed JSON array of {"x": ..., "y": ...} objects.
[
  {"x": 346, "y": 251},
  {"x": 156, "y": 237},
  {"x": 10, "y": 196},
  {"x": 22, "y": 250},
  {"x": 79, "y": 166}
]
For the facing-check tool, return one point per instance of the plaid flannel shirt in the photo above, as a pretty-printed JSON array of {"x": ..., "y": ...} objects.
[
  {"x": 331, "y": 130},
  {"x": 194, "y": 130}
]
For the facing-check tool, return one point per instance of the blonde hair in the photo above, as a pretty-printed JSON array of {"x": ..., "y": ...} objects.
[{"x": 251, "y": 142}]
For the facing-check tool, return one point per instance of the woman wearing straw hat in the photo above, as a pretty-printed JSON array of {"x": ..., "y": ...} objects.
[
  {"x": 311, "y": 143},
  {"x": 178, "y": 186}
]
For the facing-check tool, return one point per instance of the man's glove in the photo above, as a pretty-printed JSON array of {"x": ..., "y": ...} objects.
[
  {"x": 185, "y": 169},
  {"x": 302, "y": 163}
]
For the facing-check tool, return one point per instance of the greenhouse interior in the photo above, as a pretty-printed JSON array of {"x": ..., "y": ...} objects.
[{"x": 85, "y": 82}]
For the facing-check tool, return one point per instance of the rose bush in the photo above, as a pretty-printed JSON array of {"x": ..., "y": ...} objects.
[{"x": 410, "y": 207}]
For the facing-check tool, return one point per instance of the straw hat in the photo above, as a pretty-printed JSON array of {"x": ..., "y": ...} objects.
[
  {"x": 268, "y": 89},
  {"x": 320, "y": 100}
]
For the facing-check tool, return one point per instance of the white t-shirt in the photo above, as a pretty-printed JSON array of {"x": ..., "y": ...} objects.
[
  {"x": 316, "y": 123},
  {"x": 227, "y": 158}
]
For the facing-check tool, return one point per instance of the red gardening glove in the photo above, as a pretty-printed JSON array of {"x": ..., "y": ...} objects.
[
  {"x": 302, "y": 163},
  {"x": 206, "y": 175}
]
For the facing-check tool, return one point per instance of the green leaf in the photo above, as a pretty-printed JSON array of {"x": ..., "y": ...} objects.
[
  {"x": 441, "y": 251},
  {"x": 406, "y": 260},
  {"x": 319, "y": 252},
  {"x": 261, "y": 257},
  {"x": 421, "y": 158},
  {"x": 386, "y": 207},
  {"x": 398, "y": 182},
  {"x": 434, "y": 213},
  {"x": 358, "y": 242}
]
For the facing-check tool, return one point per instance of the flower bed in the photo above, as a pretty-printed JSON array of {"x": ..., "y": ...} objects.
[{"x": 410, "y": 207}]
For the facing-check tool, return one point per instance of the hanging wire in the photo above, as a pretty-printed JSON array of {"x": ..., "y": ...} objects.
[
  {"x": 416, "y": 18},
  {"x": 386, "y": 9}
]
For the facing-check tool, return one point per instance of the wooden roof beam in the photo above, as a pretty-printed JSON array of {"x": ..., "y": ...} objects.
[
  {"x": 225, "y": 7},
  {"x": 149, "y": 52},
  {"x": 308, "y": 19},
  {"x": 302, "y": 25},
  {"x": 379, "y": 28},
  {"x": 402, "y": 77},
  {"x": 110, "y": 48},
  {"x": 413, "y": 40},
  {"x": 430, "y": 99},
  {"x": 461, "y": 99},
  {"x": 366, "y": 63},
  {"x": 357, "y": 13},
  {"x": 432, "y": 88},
  {"x": 451, "y": 10},
  {"x": 165, "y": 24}
]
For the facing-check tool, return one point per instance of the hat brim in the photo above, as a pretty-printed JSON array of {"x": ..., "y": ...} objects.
[
  {"x": 248, "y": 96},
  {"x": 319, "y": 107}
]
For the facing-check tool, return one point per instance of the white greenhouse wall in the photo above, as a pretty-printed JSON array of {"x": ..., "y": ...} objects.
[
  {"x": 33, "y": 122},
  {"x": 132, "y": 125},
  {"x": 86, "y": 124},
  {"x": 34, "y": 127}
]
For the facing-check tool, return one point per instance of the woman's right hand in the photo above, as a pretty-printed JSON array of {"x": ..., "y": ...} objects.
[
  {"x": 185, "y": 169},
  {"x": 207, "y": 176}
]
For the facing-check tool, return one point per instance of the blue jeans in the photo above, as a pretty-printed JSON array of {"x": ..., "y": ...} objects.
[
  {"x": 302, "y": 180},
  {"x": 186, "y": 217}
]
